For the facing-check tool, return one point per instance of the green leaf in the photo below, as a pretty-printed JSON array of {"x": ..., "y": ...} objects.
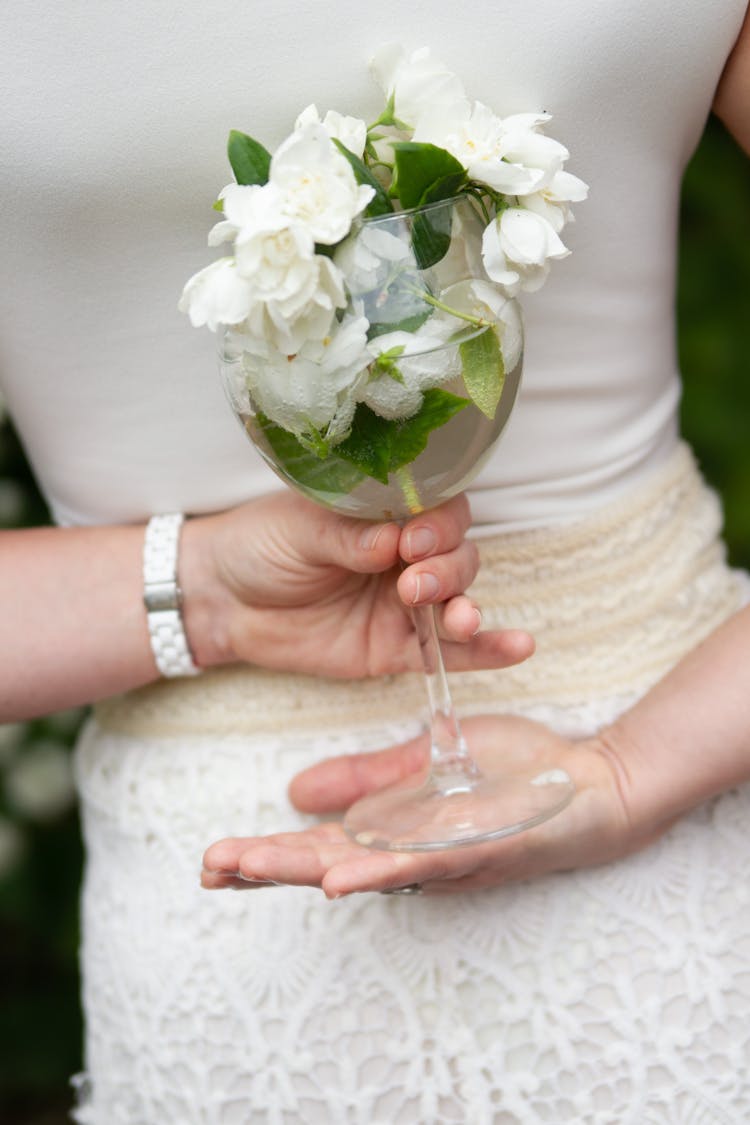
[
  {"x": 380, "y": 446},
  {"x": 249, "y": 159},
  {"x": 385, "y": 364},
  {"x": 329, "y": 474},
  {"x": 380, "y": 204},
  {"x": 369, "y": 443},
  {"x": 411, "y": 434},
  {"x": 431, "y": 236},
  {"x": 427, "y": 174},
  {"x": 418, "y": 167},
  {"x": 483, "y": 370},
  {"x": 382, "y": 318},
  {"x": 445, "y": 188}
]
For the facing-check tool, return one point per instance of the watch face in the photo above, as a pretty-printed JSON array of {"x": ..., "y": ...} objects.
[{"x": 158, "y": 596}]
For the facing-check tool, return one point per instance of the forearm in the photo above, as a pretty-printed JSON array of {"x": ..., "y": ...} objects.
[
  {"x": 72, "y": 622},
  {"x": 689, "y": 737}
]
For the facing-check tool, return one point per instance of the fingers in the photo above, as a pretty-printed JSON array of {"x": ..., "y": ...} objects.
[
  {"x": 439, "y": 577},
  {"x": 324, "y": 857},
  {"x": 223, "y": 881},
  {"x": 289, "y": 859},
  {"x": 336, "y": 783},
  {"x": 323, "y": 538},
  {"x": 442, "y": 563},
  {"x": 436, "y": 531},
  {"x": 436, "y": 534},
  {"x": 364, "y": 548},
  {"x": 459, "y": 620},
  {"x": 500, "y": 648},
  {"x": 444, "y": 872}
]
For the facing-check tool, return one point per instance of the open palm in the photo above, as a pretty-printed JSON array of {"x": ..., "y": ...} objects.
[{"x": 596, "y": 827}]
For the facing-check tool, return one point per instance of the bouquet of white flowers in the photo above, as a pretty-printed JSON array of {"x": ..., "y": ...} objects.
[
  {"x": 340, "y": 315},
  {"x": 372, "y": 345}
]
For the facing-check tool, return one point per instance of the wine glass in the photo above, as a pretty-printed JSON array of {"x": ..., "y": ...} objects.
[{"x": 392, "y": 437}]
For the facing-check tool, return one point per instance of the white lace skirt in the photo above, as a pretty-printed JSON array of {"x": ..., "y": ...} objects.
[{"x": 613, "y": 996}]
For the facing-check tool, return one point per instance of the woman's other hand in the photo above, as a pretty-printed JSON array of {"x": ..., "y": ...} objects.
[{"x": 599, "y": 825}]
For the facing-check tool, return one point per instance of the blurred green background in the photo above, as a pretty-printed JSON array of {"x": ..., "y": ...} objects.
[{"x": 40, "y": 853}]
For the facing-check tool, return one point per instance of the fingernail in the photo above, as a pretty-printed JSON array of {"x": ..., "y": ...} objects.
[
  {"x": 370, "y": 536},
  {"x": 479, "y": 621},
  {"x": 427, "y": 586},
  {"x": 420, "y": 541}
]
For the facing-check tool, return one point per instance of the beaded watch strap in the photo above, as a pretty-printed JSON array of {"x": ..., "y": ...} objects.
[{"x": 162, "y": 597}]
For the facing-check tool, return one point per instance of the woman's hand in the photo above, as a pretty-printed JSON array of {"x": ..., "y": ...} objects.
[
  {"x": 278, "y": 582},
  {"x": 286, "y": 584},
  {"x": 600, "y": 823}
]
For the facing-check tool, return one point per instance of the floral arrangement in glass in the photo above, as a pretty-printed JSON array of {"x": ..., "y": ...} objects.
[{"x": 372, "y": 345}]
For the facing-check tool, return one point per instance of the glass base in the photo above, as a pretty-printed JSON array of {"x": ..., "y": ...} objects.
[{"x": 434, "y": 816}]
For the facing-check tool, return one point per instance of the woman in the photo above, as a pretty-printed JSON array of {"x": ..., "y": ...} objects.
[{"x": 610, "y": 994}]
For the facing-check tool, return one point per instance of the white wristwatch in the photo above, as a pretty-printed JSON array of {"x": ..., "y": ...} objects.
[{"x": 163, "y": 597}]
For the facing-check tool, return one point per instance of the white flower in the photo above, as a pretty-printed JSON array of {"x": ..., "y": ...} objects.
[
  {"x": 517, "y": 248},
  {"x": 553, "y": 201},
  {"x": 523, "y": 143},
  {"x": 268, "y": 246},
  {"x": 239, "y": 204},
  {"x": 317, "y": 184},
  {"x": 306, "y": 313},
  {"x": 216, "y": 295},
  {"x": 479, "y": 140},
  {"x": 417, "y": 82},
  {"x": 423, "y": 361},
  {"x": 351, "y": 131},
  {"x": 276, "y": 282},
  {"x": 277, "y": 257},
  {"x": 368, "y": 256},
  {"x": 317, "y": 386}
]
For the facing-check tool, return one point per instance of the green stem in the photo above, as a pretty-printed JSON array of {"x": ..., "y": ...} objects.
[
  {"x": 386, "y": 118},
  {"x": 408, "y": 486},
  {"x": 478, "y": 195},
  {"x": 389, "y": 119},
  {"x": 477, "y": 321}
]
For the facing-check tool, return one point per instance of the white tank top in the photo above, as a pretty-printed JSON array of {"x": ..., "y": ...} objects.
[{"x": 112, "y": 141}]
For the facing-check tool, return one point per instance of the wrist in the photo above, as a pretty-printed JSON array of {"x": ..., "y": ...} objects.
[
  {"x": 653, "y": 791},
  {"x": 162, "y": 596},
  {"x": 206, "y": 602}
]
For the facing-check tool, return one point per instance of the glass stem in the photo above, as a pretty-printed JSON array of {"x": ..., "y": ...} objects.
[{"x": 453, "y": 770}]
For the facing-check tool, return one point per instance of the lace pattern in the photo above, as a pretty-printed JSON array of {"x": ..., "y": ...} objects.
[{"x": 612, "y": 996}]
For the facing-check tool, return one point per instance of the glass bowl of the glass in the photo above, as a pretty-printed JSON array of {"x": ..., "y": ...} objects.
[{"x": 396, "y": 409}]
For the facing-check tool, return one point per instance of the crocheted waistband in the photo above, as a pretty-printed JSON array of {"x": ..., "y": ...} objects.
[{"x": 613, "y": 601}]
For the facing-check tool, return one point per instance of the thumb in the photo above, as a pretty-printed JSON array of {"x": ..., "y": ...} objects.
[
  {"x": 352, "y": 544},
  {"x": 337, "y": 783}
]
